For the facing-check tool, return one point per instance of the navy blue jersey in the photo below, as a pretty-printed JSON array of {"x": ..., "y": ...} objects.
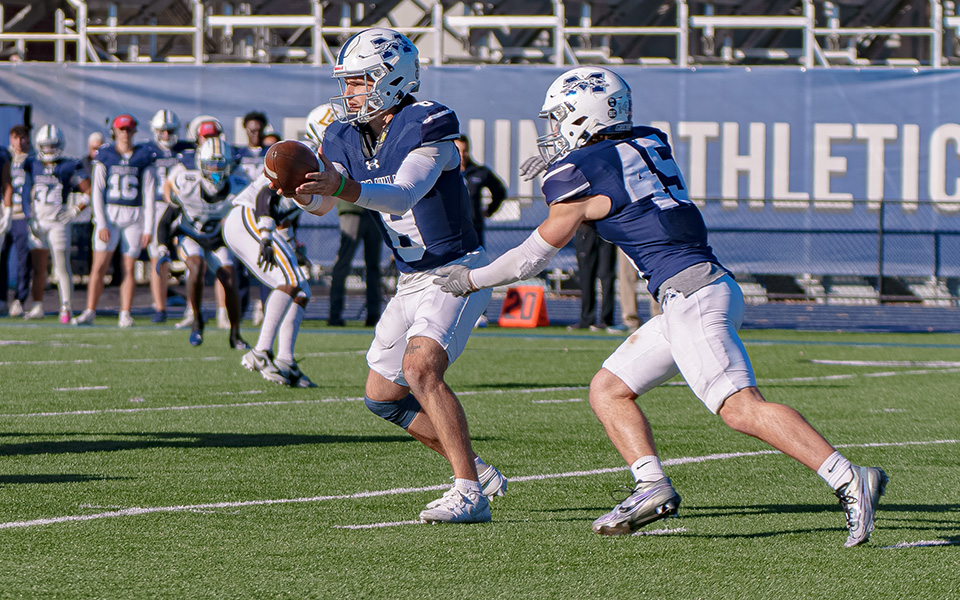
[
  {"x": 651, "y": 218},
  {"x": 439, "y": 228},
  {"x": 52, "y": 183},
  {"x": 19, "y": 180},
  {"x": 124, "y": 176},
  {"x": 166, "y": 160},
  {"x": 250, "y": 160}
]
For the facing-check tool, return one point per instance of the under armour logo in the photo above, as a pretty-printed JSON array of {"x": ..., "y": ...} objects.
[{"x": 373, "y": 164}]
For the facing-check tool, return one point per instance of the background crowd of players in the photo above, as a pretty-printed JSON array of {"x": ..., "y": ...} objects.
[{"x": 166, "y": 196}]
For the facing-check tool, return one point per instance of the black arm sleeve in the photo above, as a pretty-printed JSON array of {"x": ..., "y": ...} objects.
[{"x": 167, "y": 224}]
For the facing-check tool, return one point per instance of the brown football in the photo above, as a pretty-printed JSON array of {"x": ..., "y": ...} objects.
[{"x": 287, "y": 164}]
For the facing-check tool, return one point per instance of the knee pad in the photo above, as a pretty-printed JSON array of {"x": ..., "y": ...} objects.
[{"x": 400, "y": 412}]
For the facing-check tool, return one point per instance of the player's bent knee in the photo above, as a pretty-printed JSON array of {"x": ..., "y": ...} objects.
[{"x": 402, "y": 412}]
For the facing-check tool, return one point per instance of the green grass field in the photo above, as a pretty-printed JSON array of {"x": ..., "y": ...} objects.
[{"x": 135, "y": 466}]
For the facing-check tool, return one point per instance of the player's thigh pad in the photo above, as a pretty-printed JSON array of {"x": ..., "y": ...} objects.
[
  {"x": 425, "y": 311},
  {"x": 221, "y": 257},
  {"x": 189, "y": 247},
  {"x": 643, "y": 361},
  {"x": 702, "y": 332},
  {"x": 243, "y": 238},
  {"x": 111, "y": 244}
]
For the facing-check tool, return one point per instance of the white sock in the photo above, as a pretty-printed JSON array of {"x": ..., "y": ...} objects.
[
  {"x": 836, "y": 471},
  {"x": 466, "y": 485},
  {"x": 289, "y": 328},
  {"x": 647, "y": 468},
  {"x": 273, "y": 311}
]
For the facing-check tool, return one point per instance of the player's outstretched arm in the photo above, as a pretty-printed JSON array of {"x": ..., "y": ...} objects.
[{"x": 527, "y": 259}]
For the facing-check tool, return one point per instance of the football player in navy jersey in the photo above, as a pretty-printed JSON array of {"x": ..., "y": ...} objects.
[
  {"x": 391, "y": 154},
  {"x": 165, "y": 125},
  {"x": 51, "y": 178},
  {"x": 124, "y": 189},
  {"x": 624, "y": 181},
  {"x": 250, "y": 157}
]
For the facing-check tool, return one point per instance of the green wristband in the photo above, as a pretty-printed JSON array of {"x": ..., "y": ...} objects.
[{"x": 343, "y": 182}]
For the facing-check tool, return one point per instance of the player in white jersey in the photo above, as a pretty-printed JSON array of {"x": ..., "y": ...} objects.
[
  {"x": 394, "y": 155},
  {"x": 623, "y": 181},
  {"x": 200, "y": 199},
  {"x": 250, "y": 231},
  {"x": 51, "y": 179}
]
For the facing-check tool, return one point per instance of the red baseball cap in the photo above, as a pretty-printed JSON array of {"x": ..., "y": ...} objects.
[
  {"x": 121, "y": 121},
  {"x": 209, "y": 129}
]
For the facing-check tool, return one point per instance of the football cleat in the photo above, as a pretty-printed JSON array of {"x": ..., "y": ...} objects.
[
  {"x": 159, "y": 316},
  {"x": 262, "y": 362},
  {"x": 457, "y": 506},
  {"x": 238, "y": 343},
  {"x": 196, "y": 337},
  {"x": 65, "y": 315},
  {"x": 294, "y": 375},
  {"x": 84, "y": 318},
  {"x": 125, "y": 320},
  {"x": 649, "y": 501},
  {"x": 34, "y": 313},
  {"x": 16, "y": 308},
  {"x": 187, "y": 320},
  {"x": 859, "y": 498}
]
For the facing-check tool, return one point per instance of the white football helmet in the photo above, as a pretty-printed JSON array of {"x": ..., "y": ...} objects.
[
  {"x": 391, "y": 64},
  {"x": 317, "y": 122},
  {"x": 49, "y": 143},
  {"x": 165, "y": 120},
  {"x": 213, "y": 160},
  {"x": 581, "y": 103}
]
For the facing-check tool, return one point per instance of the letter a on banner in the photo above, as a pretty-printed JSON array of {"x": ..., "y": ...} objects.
[{"x": 524, "y": 306}]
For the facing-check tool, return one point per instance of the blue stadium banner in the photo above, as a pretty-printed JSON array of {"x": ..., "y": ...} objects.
[{"x": 820, "y": 138}]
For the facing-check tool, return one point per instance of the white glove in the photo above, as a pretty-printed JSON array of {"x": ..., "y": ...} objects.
[
  {"x": 6, "y": 217},
  {"x": 455, "y": 279},
  {"x": 68, "y": 214},
  {"x": 532, "y": 167}
]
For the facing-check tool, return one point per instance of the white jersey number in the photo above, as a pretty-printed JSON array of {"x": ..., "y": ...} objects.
[
  {"x": 649, "y": 176},
  {"x": 405, "y": 237},
  {"x": 48, "y": 194},
  {"x": 123, "y": 187}
]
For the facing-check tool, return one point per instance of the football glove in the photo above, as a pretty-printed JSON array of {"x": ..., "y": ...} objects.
[
  {"x": 532, "y": 167},
  {"x": 267, "y": 259},
  {"x": 68, "y": 214},
  {"x": 455, "y": 279},
  {"x": 163, "y": 256}
]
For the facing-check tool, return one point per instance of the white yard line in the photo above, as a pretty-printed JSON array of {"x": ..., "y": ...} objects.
[
  {"x": 83, "y": 389},
  {"x": 921, "y": 544},
  {"x": 137, "y": 511}
]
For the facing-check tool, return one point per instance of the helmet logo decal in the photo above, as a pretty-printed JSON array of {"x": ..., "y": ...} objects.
[{"x": 594, "y": 82}]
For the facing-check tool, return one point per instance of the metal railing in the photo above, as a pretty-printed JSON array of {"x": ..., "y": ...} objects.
[{"x": 457, "y": 24}]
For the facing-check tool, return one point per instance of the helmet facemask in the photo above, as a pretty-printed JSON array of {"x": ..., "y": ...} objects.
[{"x": 214, "y": 166}]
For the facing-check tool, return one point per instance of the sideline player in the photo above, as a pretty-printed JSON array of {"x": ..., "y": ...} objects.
[
  {"x": 124, "y": 191},
  {"x": 51, "y": 178},
  {"x": 199, "y": 200},
  {"x": 383, "y": 134},
  {"x": 165, "y": 125},
  {"x": 624, "y": 181}
]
